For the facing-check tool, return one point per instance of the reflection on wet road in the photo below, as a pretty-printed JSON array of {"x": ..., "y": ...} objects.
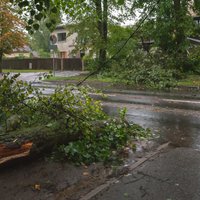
[{"x": 179, "y": 126}]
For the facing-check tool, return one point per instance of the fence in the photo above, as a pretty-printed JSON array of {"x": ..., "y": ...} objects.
[{"x": 44, "y": 63}]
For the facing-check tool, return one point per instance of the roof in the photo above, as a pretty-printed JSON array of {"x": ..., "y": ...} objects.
[
  {"x": 196, "y": 18},
  {"x": 194, "y": 40},
  {"x": 25, "y": 49},
  {"x": 63, "y": 26}
]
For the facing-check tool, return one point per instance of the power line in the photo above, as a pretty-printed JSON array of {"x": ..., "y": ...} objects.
[{"x": 127, "y": 40}]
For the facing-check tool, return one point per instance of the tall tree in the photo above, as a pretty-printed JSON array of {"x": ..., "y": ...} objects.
[
  {"x": 40, "y": 38},
  {"x": 11, "y": 30},
  {"x": 99, "y": 11},
  {"x": 93, "y": 20},
  {"x": 172, "y": 23}
]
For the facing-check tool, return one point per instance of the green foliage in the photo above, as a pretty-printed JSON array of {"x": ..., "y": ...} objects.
[
  {"x": 13, "y": 95},
  {"x": 112, "y": 137},
  {"x": 39, "y": 40},
  {"x": 38, "y": 10},
  {"x": 190, "y": 80},
  {"x": 90, "y": 63},
  {"x": 194, "y": 60},
  {"x": 117, "y": 37},
  {"x": 96, "y": 16},
  {"x": 142, "y": 70},
  {"x": 169, "y": 25}
]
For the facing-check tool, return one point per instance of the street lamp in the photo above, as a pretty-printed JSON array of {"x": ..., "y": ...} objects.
[
  {"x": 52, "y": 52},
  {"x": 53, "y": 47}
]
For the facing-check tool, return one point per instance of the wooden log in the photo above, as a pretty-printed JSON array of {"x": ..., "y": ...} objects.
[
  {"x": 32, "y": 141},
  {"x": 7, "y": 154}
]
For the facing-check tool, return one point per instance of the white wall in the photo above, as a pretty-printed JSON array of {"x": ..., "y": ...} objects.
[{"x": 68, "y": 45}]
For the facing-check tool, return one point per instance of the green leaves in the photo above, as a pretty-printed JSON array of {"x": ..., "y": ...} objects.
[
  {"x": 140, "y": 70},
  {"x": 32, "y": 12},
  {"x": 30, "y": 21},
  {"x": 23, "y": 4},
  {"x": 36, "y": 26},
  {"x": 39, "y": 16},
  {"x": 54, "y": 10},
  {"x": 39, "y": 7},
  {"x": 121, "y": 2}
]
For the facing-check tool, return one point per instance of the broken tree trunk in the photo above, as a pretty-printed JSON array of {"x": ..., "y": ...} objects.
[{"x": 32, "y": 141}]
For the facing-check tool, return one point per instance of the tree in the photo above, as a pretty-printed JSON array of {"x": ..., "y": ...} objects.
[
  {"x": 11, "y": 30},
  {"x": 40, "y": 38},
  {"x": 117, "y": 37},
  {"x": 171, "y": 23},
  {"x": 93, "y": 21},
  {"x": 100, "y": 11}
]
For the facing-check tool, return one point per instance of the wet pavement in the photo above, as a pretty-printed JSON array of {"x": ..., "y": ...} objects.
[
  {"x": 179, "y": 126},
  {"x": 34, "y": 76},
  {"x": 173, "y": 175}
]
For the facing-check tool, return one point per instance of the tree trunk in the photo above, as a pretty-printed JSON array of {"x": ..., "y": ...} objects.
[
  {"x": 32, "y": 141},
  {"x": 104, "y": 30},
  {"x": 179, "y": 20},
  {"x": 180, "y": 53},
  {"x": 1, "y": 57},
  {"x": 102, "y": 25}
]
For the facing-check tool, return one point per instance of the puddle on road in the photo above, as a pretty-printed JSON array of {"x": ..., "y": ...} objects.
[{"x": 180, "y": 127}]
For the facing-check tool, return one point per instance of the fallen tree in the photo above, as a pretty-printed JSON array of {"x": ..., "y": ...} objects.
[
  {"x": 32, "y": 141},
  {"x": 68, "y": 121}
]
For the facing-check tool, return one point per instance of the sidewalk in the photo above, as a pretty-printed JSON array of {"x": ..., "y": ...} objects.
[{"x": 171, "y": 175}]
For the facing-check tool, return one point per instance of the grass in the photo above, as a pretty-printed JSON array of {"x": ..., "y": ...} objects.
[
  {"x": 80, "y": 77},
  {"x": 190, "y": 80},
  {"x": 23, "y": 71}
]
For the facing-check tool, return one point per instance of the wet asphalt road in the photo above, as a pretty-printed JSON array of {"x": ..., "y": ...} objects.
[{"x": 179, "y": 126}]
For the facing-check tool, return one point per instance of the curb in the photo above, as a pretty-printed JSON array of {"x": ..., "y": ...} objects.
[{"x": 133, "y": 166}]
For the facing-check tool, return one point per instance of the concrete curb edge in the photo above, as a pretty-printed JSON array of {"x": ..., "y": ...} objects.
[{"x": 133, "y": 166}]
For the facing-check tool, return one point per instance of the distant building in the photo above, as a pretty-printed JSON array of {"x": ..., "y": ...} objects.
[
  {"x": 195, "y": 39},
  {"x": 23, "y": 52},
  {"x": 197, "y": 20},
  {"x": 63, "y": 43}
]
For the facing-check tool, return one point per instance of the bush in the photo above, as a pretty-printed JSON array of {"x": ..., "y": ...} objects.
[
  {"x": 90, "y": 64},
  {"x": 104, "y": 144},
  {"x": 194, "y": 60},
  {"x": 141, "y": 69}
]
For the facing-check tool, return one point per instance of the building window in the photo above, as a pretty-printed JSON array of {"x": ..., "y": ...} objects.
[
  {"x": 61, "y": 37},
  {"x": 197, "y": 20}
]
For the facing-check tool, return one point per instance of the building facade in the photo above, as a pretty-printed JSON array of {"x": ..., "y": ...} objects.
[{"x": 62, "y": 42}]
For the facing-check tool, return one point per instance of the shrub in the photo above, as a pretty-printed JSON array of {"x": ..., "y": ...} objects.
[
  {"x": 140, "y": 69},
  {"x": 194, "y": 60}
]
